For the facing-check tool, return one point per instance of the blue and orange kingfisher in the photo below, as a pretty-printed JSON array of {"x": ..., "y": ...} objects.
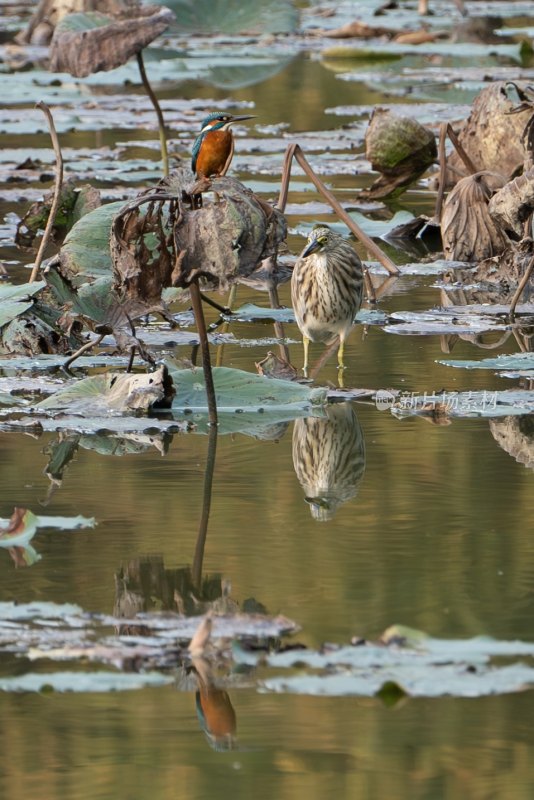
[{"x": 214, "y": 146}]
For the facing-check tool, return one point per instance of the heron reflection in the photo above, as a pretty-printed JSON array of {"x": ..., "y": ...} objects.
[{"x": 329, "y": 459}]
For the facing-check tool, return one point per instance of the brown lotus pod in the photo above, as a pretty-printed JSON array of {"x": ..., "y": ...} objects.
[{"x": 400, "y": 148}]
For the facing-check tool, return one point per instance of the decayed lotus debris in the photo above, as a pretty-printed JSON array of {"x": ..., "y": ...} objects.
[
  {"x": 492, "y": 135},
  {"x": 467, "y": 228},
  {"x": 223, "y": 241},
  {"x": 512, "y": 205},
  {"x": 50, "y": 12},
  {"x": 107, "y": 43},
  {"x": 400, "y": 148}
]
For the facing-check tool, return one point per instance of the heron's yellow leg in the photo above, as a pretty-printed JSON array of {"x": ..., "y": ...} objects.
[
  {"x": 306, "y": 343},
  {"x": 340, "y": 351}
]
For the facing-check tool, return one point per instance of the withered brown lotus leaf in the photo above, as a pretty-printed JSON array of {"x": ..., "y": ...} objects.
[
  {"x": 224, "y": 240},
  {"x": 49, "y": 13},
  {"x": 491, "y": 136},
  {"x": 467, "y": 229},
  {"x": 93, "y": 42},
  {"x": 229, "y": 238},
  {"x": 512, "y": 205}
]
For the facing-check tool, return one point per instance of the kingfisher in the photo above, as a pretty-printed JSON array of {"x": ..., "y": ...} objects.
[{"x": 214, "y": 146}]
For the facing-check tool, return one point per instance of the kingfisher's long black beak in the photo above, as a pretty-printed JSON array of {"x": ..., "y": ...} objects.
[
  {"x": 241, "y": 118},
  {"x": 310, "y": 248}
]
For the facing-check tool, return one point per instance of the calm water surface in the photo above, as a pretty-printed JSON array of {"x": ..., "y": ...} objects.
[{"x": 434, "y": 532}]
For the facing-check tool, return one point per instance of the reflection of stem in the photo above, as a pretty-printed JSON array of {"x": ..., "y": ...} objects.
[
  {"x": 294, "y": 151},
  {"x": 278, "y": 327},
  {"x": 196, "y": 571},
  {"x": 57, "y": 189},
  {"x": 205, "y": 349},
  {"x": 519, "y": 291},
  {"x": 327, "y": 352},
  {"x": 384, "y": 287},
  {"x": 159, "y": 113},
  {"x": 369, "y": 288},
  {"x": 230, "y": 303}
]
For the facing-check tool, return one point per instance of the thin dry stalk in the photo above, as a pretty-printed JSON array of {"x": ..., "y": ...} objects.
[
  {"x": 442, "y": 171},
  {"x": 472, "y": 170},
  {"x": 87, "y": 346},
  {"x": 57, "y": 189},
  {"x": 295, "y": 151},
  {"x": 159, "y": 113}
]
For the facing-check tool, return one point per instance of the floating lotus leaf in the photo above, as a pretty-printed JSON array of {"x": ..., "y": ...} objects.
[
  {"x": 234, "y": 16},
  {"x": 120, "y": 392},
  {"x": 83, "y": 681},
  {"x": 240, "y": 391}
]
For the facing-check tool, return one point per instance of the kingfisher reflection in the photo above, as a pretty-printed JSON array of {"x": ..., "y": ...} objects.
[
  {"x": 214, "y": 708},
  {"x": 329, "y": 459}
]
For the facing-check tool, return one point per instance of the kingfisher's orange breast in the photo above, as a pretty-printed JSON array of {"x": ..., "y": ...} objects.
[{"x": 215, "y": 151}]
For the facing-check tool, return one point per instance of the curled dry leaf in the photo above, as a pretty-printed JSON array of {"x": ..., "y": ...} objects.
[
  {"x": 492, "y": 135},
  {"x": 249, "y": 231},
  {"x": 74, "y": 203},
  {"x": 93, "y": 42},
  {"x": 49, "y": 13},
  {"x": 467, "y": 229},
  {"x": 496, "y": 276},
  {"x": 512, "y": 205},
  {"x": 272, "y": 366},
  {"x": 219, "y": 243},
  {"x": 97, "y": 395},
  {"x": 400, "y": 148}
]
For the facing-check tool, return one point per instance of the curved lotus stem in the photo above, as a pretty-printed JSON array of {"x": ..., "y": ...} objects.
[{"x": 57, "y": 189}]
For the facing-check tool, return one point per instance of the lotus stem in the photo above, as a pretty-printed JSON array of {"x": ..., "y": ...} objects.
[
  {"x": 295, "y": 151},
  {"x": 471, "y": 168},
  {"x": 57, "y": 189},
  {"x": 196, "y": 570},
  {"x": 442, "y": 171},
  {"x": 87, "y": 346},
  {"x": 159, "y": 114}
]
